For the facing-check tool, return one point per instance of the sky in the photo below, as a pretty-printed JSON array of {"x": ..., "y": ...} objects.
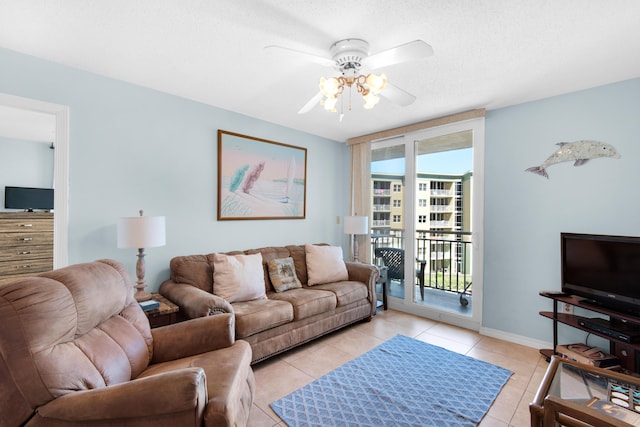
[{"x": 446, "y": 162}]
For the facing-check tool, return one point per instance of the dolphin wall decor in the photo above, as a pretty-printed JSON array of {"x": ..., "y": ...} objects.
[{"x": 579, "y": 151}]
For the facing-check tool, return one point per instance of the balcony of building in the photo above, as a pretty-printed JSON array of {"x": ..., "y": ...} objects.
[
  {"x": 440, "y": 224},
  {"x": 442, "y": 265},
  {"x": 381, "y": 207},
  {"x": 441, "y": 193}
]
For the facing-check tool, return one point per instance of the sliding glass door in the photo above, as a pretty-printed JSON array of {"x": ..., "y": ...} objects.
[{"x": 426, "y": 228}]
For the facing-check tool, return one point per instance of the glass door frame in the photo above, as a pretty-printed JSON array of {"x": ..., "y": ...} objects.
[{"x": 476, "y": 125}]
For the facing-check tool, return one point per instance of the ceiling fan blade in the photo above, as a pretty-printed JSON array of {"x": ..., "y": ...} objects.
[
  {"x": 327, "y": 62},
  {"x": 411, "y": 51},
  {"x": 397, "y": 96},
  {"x": 311, "y": 103}
]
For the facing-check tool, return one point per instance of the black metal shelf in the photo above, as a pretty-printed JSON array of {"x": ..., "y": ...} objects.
[{"x": 618, "y": 347}]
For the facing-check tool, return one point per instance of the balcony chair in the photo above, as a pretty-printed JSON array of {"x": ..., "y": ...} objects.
[
  {"x": 77, "y": 350},
  {"x": 393, "y": 259}
]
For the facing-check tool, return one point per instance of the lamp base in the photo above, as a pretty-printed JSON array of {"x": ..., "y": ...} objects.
[
  {"x": 142, "y": 295},
  {"x": 355, "y": 257}
]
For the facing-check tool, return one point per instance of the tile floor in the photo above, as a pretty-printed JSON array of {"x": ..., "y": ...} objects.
[{"x": 280, "y": 375}]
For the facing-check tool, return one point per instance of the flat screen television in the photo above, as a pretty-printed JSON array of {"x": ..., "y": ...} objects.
[
  {"x": 603, "y": 269},
  {"x": 28, "y": 199}
]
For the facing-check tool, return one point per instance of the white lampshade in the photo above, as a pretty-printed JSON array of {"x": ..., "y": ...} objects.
[
  {"x": 356, "y": 225},
  {"x": 141, "y": 232}
]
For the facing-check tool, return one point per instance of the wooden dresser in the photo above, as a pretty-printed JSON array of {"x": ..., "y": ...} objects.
[{"x": 26, "y": 243}]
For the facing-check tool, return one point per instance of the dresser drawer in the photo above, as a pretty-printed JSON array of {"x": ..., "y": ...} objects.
[
  {"x": 26, "y": 225},
  {"x": 26, "y": 244},
  {"x": 26, "y": 267},
  {"x": 21, "y": 253},
  {"x": 25, "y": 239}
]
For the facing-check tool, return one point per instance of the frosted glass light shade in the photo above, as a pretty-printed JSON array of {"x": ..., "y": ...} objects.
[
  {"x": 141, "y": 232},
  {"x": 356, "y": 225}
]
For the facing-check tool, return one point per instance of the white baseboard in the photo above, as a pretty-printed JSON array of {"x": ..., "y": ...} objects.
[{"x": 516, "y": 339}]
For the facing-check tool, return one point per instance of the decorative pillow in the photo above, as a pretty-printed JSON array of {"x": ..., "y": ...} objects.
[
  {"x": 282, "y": 272},
  {"x": 238, "y": 277},
  {"x": 325, "y": 264}
]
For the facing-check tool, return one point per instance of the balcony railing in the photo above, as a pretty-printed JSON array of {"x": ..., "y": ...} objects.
[
  {"x": 446, "y": 254},
  {"x": 440, "y": 223},
  {"x": 378, "y": 208}
]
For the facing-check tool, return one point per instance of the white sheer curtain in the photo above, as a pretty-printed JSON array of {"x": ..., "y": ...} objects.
[{"x": 361, "y": 192}]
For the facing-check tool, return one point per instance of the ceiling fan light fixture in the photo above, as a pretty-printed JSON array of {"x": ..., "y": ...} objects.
[
  {"x": 368, "y": 86},
  {"x": 329, "y": 103},
  {"x": 376, "y": 83},
  {"x": 330, "y": 87},
  {"x": 370, "y": 100}
]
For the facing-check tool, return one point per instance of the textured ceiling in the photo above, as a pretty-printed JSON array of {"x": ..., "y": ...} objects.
[{"x": 487, "y": 53}]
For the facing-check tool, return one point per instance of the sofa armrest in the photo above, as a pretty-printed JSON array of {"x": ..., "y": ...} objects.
[
  {"x": 192, "y": 337},
  {"x": 367, "y": 274},
  {"x": 179, "y": 397},
  {"x": 361, "y": 272},
  {"x": 194, "y": 302}
]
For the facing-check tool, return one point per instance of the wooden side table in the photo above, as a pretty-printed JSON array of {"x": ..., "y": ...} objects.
[{"x": 166, "y": 314}]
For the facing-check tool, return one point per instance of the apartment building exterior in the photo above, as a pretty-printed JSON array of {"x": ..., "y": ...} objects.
[{"x": 442, "y": 216}]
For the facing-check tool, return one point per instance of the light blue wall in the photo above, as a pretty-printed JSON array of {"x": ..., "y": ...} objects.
[
  {"x": 24, "y": 164},
  {"x": 133, "y": 148},
  {"x": 525, "y": 213}
]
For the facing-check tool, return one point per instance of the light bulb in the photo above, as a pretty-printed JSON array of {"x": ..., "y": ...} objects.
[
  {"x": 329, "y": 87},
  {"x": 370, "y": 100},
  {"x": 329, "y": 103},
  {"x": 376, "y": 83}
]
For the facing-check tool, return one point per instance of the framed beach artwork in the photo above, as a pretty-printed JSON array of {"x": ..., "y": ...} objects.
[{"x": 260, "y": 179}]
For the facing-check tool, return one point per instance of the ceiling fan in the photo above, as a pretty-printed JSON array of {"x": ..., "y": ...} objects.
[{"x": 348, "y": 57}]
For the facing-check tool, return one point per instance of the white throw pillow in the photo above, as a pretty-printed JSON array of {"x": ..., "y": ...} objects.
[
  {"x": 325, "y": 264},
  {"x": 238, "y": 277}
]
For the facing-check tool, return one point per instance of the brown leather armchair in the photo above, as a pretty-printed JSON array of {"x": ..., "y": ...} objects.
[{"x": 76, "y": 349}]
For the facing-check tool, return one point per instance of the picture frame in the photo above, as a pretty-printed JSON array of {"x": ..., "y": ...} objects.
[{"x": 260, "y": 179}]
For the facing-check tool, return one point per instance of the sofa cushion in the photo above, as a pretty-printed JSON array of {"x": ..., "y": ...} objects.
[
  {"x": 325, "y": 264},
  {"x": 194, "y": 270},
  {"x": 259, "y": 315},
  {"x": 70, "y": 329},
  {"x": 346, "y": 292},
  {"x": 269, "y": 253},
  {"x": 282, "y": 273},
  {"x": 307, "y": 302},
  {"x": 297, "y": 252},
  {"x": 238, "y": 277}
]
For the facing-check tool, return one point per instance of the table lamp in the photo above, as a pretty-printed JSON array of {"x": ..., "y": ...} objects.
[
  {"x": 141, "y": 232},
  {"x": 356, "y": 226}
]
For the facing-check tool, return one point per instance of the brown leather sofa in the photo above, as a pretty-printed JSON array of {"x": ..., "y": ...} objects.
[
  {"x": 284, "y": 319},
  {"x": 77, "y": 350}
]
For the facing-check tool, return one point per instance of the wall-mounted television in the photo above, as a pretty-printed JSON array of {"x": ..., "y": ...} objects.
[
  {"x": 28, "y": 199},
  {"x": 603, "y": 269}
]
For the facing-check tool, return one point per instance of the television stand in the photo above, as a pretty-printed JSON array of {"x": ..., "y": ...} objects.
[{"x": 628, "y": 352}]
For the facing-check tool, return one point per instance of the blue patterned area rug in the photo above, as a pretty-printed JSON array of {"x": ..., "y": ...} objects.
[{"x": 402, "y": 382}]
